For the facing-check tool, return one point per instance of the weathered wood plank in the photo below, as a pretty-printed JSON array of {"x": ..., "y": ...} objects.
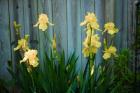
[
  {"x": 41, "y": 34},
  {"x": 45, "y": 6},
  {"x": 12, "y": 17},
  {"x": 26, "y": 12},
  {"x": 82, "y": 13},
  {"x": 60, "y": 21},
  {"x": 89, "y": 5},
  {"x": 99, "y": 11},
  {"x": 74, "y": 31},
  {"x": 5, "y": 48},
  {"x": 118, "y": 22},
  {"x": 109, "y": 10},
  {"x": 125, "y": 24},
  {"x": 48, "y": 11},
  {"x": 34, "y": 34},
  {"x": 20, "y": 16},
  {"x": 130, "y": 25}
]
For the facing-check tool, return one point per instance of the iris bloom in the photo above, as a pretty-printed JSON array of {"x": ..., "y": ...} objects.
[
  {"x": 109, "y": 52},
  {"x": 22, "y": 44},
  {"x": 90, "y": 21},
  {"x": 110, "y": 28},
  {"x": 31, "y": 58},
  {"x": 95, "y": 41},
  {"x": 43, "y": 22},
  {"x": 86, "y": 51},
  {"x": 91, "y": 45}
]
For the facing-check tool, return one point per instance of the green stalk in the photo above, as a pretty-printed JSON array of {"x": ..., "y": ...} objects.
[
  {"x": 90, "y": 66},
  {"x": 34, "y": 89}
]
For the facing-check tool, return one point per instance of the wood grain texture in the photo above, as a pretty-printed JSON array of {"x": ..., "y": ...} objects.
[
  {"x": 41, "y": 34},
  {"x": 26, "y": 16},
  {"x": 100, "y": 13},
  {"x": 125, "y": 23},
  {"x": 12, "y": 13},
  {"x": 60, "y": 21},
  {"x": 48, "y": 10},
  {"x": 20, "y": 16},
  {"x": 5, "y": 47},
  {"x": 66, "y": 16},
  {"x": 109, "y": 10},
  {"x": 118, "y": 22},
  {"x": 74, "y": 29},
  {"x": 33, "y": 16}
]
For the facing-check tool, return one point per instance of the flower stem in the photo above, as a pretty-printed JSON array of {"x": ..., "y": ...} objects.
[{"x": 34, "y": 89}]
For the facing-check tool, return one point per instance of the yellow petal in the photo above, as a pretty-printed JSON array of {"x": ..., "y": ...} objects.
[
  {"x": 112, "y": 49},
  {"x": 106, "y": 56},
  {"x": 86, "y": 52},
  {"x": 94, "y": 25},
  {"x": 24, "y": 59},
  {"x": 83, "y": 23},
  {"x": 94, "y": 50},
  {"x": 17, "y": 48},
  {"x": 34, "y": 63},
  {"x": 43, "y": 27}
]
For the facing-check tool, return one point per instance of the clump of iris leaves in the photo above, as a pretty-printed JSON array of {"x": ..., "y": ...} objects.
[{"x": 58, "y": 75}]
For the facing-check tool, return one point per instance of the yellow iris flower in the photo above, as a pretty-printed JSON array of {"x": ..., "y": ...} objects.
[
  {"x": 89, "y": 32},
  {"x": 31, "y": 58},
  {"x": 90, "y": 21},
  {"x": 95, "y": 41},
  {"x": 91, "y": 45},
  {"x": 109, "y": 52},
  {"x": 22, "y": 44},
  {"x": 43, "y": 22},
  {"x": 110, "y": 28},
  {"x": 86, "y": 51},
  {"x": 106, "y": 56}
]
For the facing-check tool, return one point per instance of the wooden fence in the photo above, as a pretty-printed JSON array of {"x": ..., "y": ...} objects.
[{"x": 66, "y": 15}]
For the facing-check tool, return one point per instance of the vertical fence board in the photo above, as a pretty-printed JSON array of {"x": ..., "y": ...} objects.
[
  {"x": 118, "y": 22},
  {"x": 21, "y": 16},
  {"x": 48, "y": 11},
  {"x": 41, "y": 33},
  {"x": 26, "y": 12},
  {"x": 12, "y": 17},
  {"x": 74, "y": 32},
  {"x": 89, "y": 5},
  {"x": 5, "y": 52},
  {"x": 125, "y": 22},
  {"x": 86, "y": 6},
  {"x": 34, "y": 34},
  {"x": 109, "y": 10},
  {"x": 60, "y": 28},
  {"x": 130, "y": 23},
  {"x": 100, "y": 16},
  {"x": 82, "y": 13},
  {"x": 44, "y": 6}
]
